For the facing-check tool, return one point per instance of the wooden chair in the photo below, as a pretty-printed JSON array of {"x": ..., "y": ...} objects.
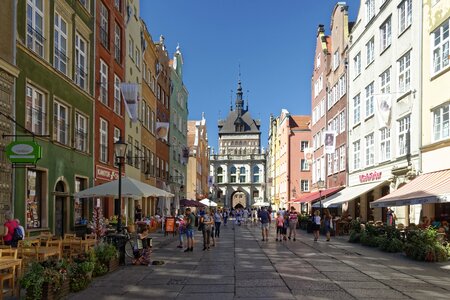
[
  {"x": 10, "y": 274},
  {"x": 69, "y": 236},
  {"x": 55, "y": 244},
  {"x": 90, "y": 236},
  {"x": 76, "y": 248}
]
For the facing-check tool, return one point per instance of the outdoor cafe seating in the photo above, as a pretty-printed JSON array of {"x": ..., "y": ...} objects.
[{"x": 10, "y": 268}]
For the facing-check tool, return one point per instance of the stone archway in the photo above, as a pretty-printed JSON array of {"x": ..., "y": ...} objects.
[{"x": 238, "y": 200}]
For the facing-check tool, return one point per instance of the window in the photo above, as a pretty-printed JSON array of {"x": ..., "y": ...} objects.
[
  {"x": 118, "y": 5},
  {"x": 233, "y": 174},
  {"x": 336, "y": 60},
  {"x": 104, "y": 17},
  {"x": 60, "y": 60},
  {"x": 131, "y": 48},
  {"x": 385, "y": 82},
  {"x": 441, "y": 41},
  {"x": 330, "y": 164},
  {"x": 117, "y": 101},
  {"x": 35, "y": 198},
  {"x": 318, "y": 61},
  {"x": 342, "y": 121},
  {"x": 255, "y": 174},
  {"x": 403, "y": 131},
  {"x": 370, "y": 52},
  {"x": 357, "y": 64},
  {"x": 369, "y": 100},
  {"x": 80, "y": 62},
  {"x": 342, "y": 158},
  {"x": 404, "y": 15},
  {"x": 137, "y": 159},
  {"x": 336, "y": 161},
  {"x": 103, "y": 82},
  {"x": 117, "y": 134},
  {"x": 35, "y": 26},
  {"x": 370, "y": 10},
  {"x": 404, "y": 79},
  {"x": 342, "y": 85},
  {"x": 61, "y": 123},
  {"x": 138, "y": 58},
  {"x": 85, "y": 3},
  {"x": 357, "y": 109},
  {"x": 104, "y": 141},
  {"x": 242, "y": 175},
  {"x": 304, "y": 185},
  {"x": 370, "y": 153},
  {"x": 36, "y": 111},
  {"x": 356, "y": 154},
  {"x": 303, "y": 145},
  {"x": 385, "y": 145},
  {"x": 304, "y": 166},
  {"x": 441, "y": 123},
  {"x": 386, "y": 34},
  {"x": 117, "y": 43},
  {"x": 81, "y": 132},
  {"x": 80, "y": 210}
]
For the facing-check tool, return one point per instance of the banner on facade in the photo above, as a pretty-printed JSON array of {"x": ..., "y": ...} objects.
[
  {"x": 309, "y": 155},
  {"x": 384, "y": 104},
  {"x": 130, "y": 93},
  {"x": 162, "y": 130},
  {"x": 329, "y": 141}
]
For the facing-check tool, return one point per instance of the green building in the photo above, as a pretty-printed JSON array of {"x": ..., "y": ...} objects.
[
  {"x": 179, "y": 153},
  {"x": 54, "y": 102}
]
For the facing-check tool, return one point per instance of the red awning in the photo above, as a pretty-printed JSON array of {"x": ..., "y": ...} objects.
[
  {"x": 427, "y": 188},
  {"x": 317, "y": 195}
]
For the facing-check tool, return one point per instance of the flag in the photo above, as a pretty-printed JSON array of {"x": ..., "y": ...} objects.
[
  {"x": 130, "y": 93},
  {"x": 329, "y": 141},
  {"x": 162, "y": 130},
  {"x": 384, "y": 104}
]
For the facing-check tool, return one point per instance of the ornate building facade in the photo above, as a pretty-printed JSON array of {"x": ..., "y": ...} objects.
[{"x": 238, "y": 169}]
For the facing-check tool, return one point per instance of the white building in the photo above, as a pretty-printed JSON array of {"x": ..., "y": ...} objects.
[
  {"x": 238, "y": 170},
  {"x": 384, "y": 105}
]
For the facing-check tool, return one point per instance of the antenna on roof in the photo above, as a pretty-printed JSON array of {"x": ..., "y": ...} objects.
[
  {"x": 231, "y": 100},
  {"x": 239, "y": 72},
  {"x": 248, "y": 92}
]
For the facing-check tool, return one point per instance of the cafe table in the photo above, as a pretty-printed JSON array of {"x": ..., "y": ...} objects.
[
  {"x": 85, "y": 244},
  {"x": 7, "y": 263},
  {"x": 43, "y": 253}
]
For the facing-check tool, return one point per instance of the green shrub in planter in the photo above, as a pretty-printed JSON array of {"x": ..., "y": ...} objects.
[
  {"x": 354, "y": 237},
  {"x": 369, "y": 240},
  {"x": 423, "y": 245},
  {"x": 390, "y": 245}
]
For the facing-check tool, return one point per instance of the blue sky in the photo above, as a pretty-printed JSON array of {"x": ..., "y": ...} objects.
[{"x": 273, "y": 41}]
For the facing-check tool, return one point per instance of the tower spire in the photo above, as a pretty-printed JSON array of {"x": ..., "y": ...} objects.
[{"x": 239, "y": 100}]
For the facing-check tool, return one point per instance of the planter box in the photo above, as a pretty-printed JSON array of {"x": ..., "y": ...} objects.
[
  {"x": 49, "y": 294},
  {"x": 113, "y": 265}
]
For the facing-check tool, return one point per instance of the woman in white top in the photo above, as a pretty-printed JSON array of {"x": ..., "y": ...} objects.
[{"x": 316, "y": 225}]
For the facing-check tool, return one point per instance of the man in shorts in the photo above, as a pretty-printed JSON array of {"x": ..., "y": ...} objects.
[
  {"x": 190, "y": 223},
  {"x": 264, "y": 218}
]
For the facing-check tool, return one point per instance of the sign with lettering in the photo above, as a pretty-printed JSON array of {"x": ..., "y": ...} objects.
[
  {"x": 106, "y": 173},
  {"x": 23, "y": 152},
  {"x": 372, "y": 176}
]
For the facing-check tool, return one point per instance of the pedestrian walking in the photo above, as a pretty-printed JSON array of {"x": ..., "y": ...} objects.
[
  {"x": 225, "y": 217},
  {"x": 190, "y": 222},
  {"x": 316, "y": 225},
  {"x": 213, "y": 229},
  {"x": 279, "y": 221},
  {"x": 328, "y": 222},
  {"x": 264, "y": 218},
  {"x": 181, "y": 230},
  {"x": 207, "y": 226},
  {"x": 285, "y": 225},
  {"x": 217, "y": 223},
  {"x": 293, "y": 220}
]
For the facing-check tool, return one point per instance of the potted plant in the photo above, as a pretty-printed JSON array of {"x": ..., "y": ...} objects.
[
  {"x": 46, "y": 280},
  {"x": 81, "y": 271},
  {"x": 107, "y": 258}
]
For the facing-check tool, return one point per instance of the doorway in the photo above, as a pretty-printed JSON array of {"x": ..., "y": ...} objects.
[
  {"x": 60, "y": 209},
  {"x": 239, "y": 200}
]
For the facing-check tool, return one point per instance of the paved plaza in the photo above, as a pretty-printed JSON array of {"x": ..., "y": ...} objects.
[{"x": 243, "y": 266}]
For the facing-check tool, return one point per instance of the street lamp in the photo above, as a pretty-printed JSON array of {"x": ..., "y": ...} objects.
[
  {"x": 320, "y": 186},
  {"x": 120, "y": 147}
]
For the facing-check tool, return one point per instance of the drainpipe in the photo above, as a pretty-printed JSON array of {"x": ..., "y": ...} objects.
[
  {"x": 14, "y": 52},
  {"x": 420, "y": 87}
]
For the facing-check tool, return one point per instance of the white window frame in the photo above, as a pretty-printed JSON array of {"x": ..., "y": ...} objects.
[
  {"x": 385, "y": 82},
  {"x": 441, "y": 124},
  {"x": 336, "y": 59},
  {"x": 117, "y": 43},
  {"x": 369, "y": 100},
  {"x": 117, "y": 95},
  {"x": 35, "y": 27},
  {"x": 131, "y": 48},
  {"x": 303, "y": 145},
  {"x": 404, "y": 73},
  {"x": 440, "y": 48},
  {"x": 356, "y": 155},
  {"x": 138, "y": 58},
  {"x": 318, "y": 61},
  {"x": 60, "y": 44},
  {"x": 36, "y": 110},
  {"x": 357, "y": 64},
  {"x": 103, "y": 82},
  {"x": 386, "y": 34},
  {"x": 370, "y": 10},
  {"x": 81, "y": 58},
  {"x": 329, "y": 163},
  {"x": 385, "y": 144},
  {"x": 61, "y": 123},
  {"x": 342, "y": 158},
  {"x": 370, "y": 150},
  {"x": 81, "y": 132},
  {"x": 304, "y": 166},
  {"x": 103, "y": 151},
  {"x": 403, "y": 128},
  {"x": 404, "y": 15},
  {"x": 336, "y": 160},
  {"x": 104, "y": 26},
  {"x": 370, "y": 51},
  {"x": 304, "y": 185}
]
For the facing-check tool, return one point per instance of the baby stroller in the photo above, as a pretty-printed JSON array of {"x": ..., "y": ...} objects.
[{"x": 143, "y": 248}]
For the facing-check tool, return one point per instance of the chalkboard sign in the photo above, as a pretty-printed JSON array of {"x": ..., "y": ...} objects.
[{"x": 169, "y": 225}]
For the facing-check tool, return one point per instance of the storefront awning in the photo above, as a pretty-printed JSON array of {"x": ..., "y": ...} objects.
[
  {"x": 317, "y": 195},
  {"x": 348, "y": 194},
  {"x": 427, "y": 188}
]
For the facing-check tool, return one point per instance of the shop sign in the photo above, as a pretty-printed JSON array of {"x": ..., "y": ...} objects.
[
  {"x": 106, "y": 173},
  {"x": 372, "y": 176},
  {"x": 23, "y": 152}
]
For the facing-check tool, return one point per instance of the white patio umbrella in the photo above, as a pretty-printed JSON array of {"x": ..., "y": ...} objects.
[
  {"x": 208, "y": 202},
  {"x": 131, "y": 188}
]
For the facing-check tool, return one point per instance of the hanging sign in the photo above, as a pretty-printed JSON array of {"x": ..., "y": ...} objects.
[
  {"x": 130, "y": 92},
  {"x": 23, "y": 152}
]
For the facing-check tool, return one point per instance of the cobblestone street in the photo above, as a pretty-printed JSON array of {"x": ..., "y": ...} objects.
[{"x": 242, "y": 266}]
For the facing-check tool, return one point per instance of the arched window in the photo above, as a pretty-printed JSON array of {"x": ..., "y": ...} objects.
[
  {"x": 255, "y": 174},
  {"x": 219, "y": 170},
  {"x": 233, "y": 174}
]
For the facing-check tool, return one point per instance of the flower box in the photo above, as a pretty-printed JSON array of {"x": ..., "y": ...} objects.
[
  {"x": 49, "y": 294},
  {"x": 113, "y": 264}
]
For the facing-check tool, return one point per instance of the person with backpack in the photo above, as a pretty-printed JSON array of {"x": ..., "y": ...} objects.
[{"x": 10, "y": 226}]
